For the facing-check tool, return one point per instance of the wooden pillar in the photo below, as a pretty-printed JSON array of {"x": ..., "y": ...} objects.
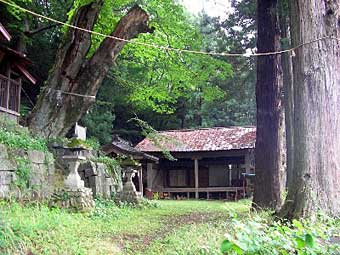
[
  {"x": 196, "y": 178},
  {"x": 19, "y": 96},
  {"x": 230, "y": 174},
  {"x": 140, "y": 179},
  {"x": 8, "y": 86},
  {"x": 247, "y": 162},
  {"x": 150, "y": 176}
]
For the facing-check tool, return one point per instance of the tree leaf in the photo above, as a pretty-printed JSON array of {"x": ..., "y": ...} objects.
[
  {"x": 226, "y": 246},
  {"x": 309, "y": 240},
  {"x": 300, "y": 242}
]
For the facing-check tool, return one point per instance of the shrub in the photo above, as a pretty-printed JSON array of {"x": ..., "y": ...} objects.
[
  {"x": 142, "y": 204},
  {"x": 105, "y": 210},
  {"x": 22, "y": 172},
  {"x": 16, "y": 136},
  {"x": 113, "y": 166},
  {"x": 262, "y": 235}
]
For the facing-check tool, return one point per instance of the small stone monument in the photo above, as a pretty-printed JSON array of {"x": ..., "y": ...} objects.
[
  {"x": 80, "y": 132},
  {"x": 129, "y": 193}
]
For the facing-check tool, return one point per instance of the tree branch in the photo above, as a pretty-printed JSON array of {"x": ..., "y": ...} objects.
[{"x": 40, "y": 29}]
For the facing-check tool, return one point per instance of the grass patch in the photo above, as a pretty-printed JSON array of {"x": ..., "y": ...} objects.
[
  {"x": 195, "y": 239},
  {"x": 41, "y": 230},
  {"x": 167, "y": 227}
]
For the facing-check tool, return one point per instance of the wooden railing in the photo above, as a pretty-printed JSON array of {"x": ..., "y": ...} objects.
[
  {"x": 9, "y": 95},
  {"x": 236, "y": 191}
]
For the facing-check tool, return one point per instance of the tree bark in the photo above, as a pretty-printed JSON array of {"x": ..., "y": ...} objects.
[
  {"x": 316, "y": 69},
  {"x": 57, "y": 110},
  {"x": 287, "y": 68},
  {"x": 269, "y": 135}
]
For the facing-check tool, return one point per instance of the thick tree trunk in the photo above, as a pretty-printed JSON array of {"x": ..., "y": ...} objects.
[
  {"x": 316, "y": 179},
  {"x": 287, "y": 68},
  {"x": 60, "y": 104},
  {"x": 269, "y": 135}
]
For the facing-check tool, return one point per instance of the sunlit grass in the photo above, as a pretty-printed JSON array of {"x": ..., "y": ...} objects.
[
  {"x": 41, "y": 230},
  {"x": 165, "y": 227}
]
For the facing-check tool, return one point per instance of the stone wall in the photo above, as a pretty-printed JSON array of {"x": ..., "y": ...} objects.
[
  {"x": 96, "y": 176},
  {"x": 40, "y": 173},
  {"x": 47, "y": 173}
]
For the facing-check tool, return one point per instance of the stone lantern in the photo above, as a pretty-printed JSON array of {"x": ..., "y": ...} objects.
[
  {"x": 74, "y": 195},
  {"x": 129, "y": 193}
]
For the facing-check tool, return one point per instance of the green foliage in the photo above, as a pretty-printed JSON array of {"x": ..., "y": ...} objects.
[
  {"x": 18, "y": 137},
  {"x": 142, "y": 204},
  {"x": 112, "y": 163},
  {"x": 99, "y": 120},
  {"x": 89, "y": 144},
  {"x": 155, "y": 137},
  {"x": 162, "y": 86},
  {"x": 169, "y": 90},
  {"x": 14, "y": 11},
  {"x": 78, "y": 143},
  {"x": 113, "y": 166},
  {"x": 22, "y": 172},
  {"x": 106, "y": 210},
  {"x": 93, "y": 143},
  {"x": 262, "y": 235},
  {"x": 235, "y": 34}
]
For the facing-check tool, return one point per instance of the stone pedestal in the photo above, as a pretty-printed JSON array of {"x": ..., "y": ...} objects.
[
  {"x": 73, "y": 180},
  {"x": 77, "y": 199},
  {"x": 74, "y": 195},
  {"x": 129, "y": 193}
]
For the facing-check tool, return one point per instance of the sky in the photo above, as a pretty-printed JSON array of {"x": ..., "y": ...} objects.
[{"x": 212, "y": 7}]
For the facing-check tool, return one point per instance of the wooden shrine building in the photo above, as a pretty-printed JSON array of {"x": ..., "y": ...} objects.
[
  {"x": 122, "y": 148},
  {"x": 211, "y": 162},
  {"x": 13, "y": 69}
]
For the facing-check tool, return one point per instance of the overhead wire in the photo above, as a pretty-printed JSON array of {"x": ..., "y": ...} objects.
[
  {"x": 167, "y": 48},
  {"x": 160, "y": 47}
]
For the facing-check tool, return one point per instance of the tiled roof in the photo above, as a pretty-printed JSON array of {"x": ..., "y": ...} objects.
[
  {"x": 121, "y": 146},
  {"x": 206, "y": 139}
]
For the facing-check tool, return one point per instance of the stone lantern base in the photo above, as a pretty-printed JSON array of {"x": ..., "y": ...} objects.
[
  {"x": 129, "y": 197},
  {"x": 79, "y": 199},
  {"x": 129, "y": 193}
]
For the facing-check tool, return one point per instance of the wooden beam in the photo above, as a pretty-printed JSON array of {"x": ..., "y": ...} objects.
[
  {"x": 204, "y": 154},
  {"x": 196, "y": 178},
  {"x": 207, "y": 189}
]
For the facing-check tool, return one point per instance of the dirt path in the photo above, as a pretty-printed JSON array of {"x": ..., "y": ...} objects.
[{"x": 139, "y": 243}]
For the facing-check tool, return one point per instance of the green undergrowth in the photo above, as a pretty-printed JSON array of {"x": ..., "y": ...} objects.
[
  {"x": 22, "y": 172},
  {"x": 18, "y": 137},
  {"x": 41, "y": 230},
  {"x": 261, "y": 234},
  {"x": 112, "y": 165},
  {"x": 89, "y": 144},
  {"x": 160, "y": 227}
]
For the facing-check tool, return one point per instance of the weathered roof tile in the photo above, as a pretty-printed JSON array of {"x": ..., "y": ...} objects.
[{"x": 205, "y": 139}]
